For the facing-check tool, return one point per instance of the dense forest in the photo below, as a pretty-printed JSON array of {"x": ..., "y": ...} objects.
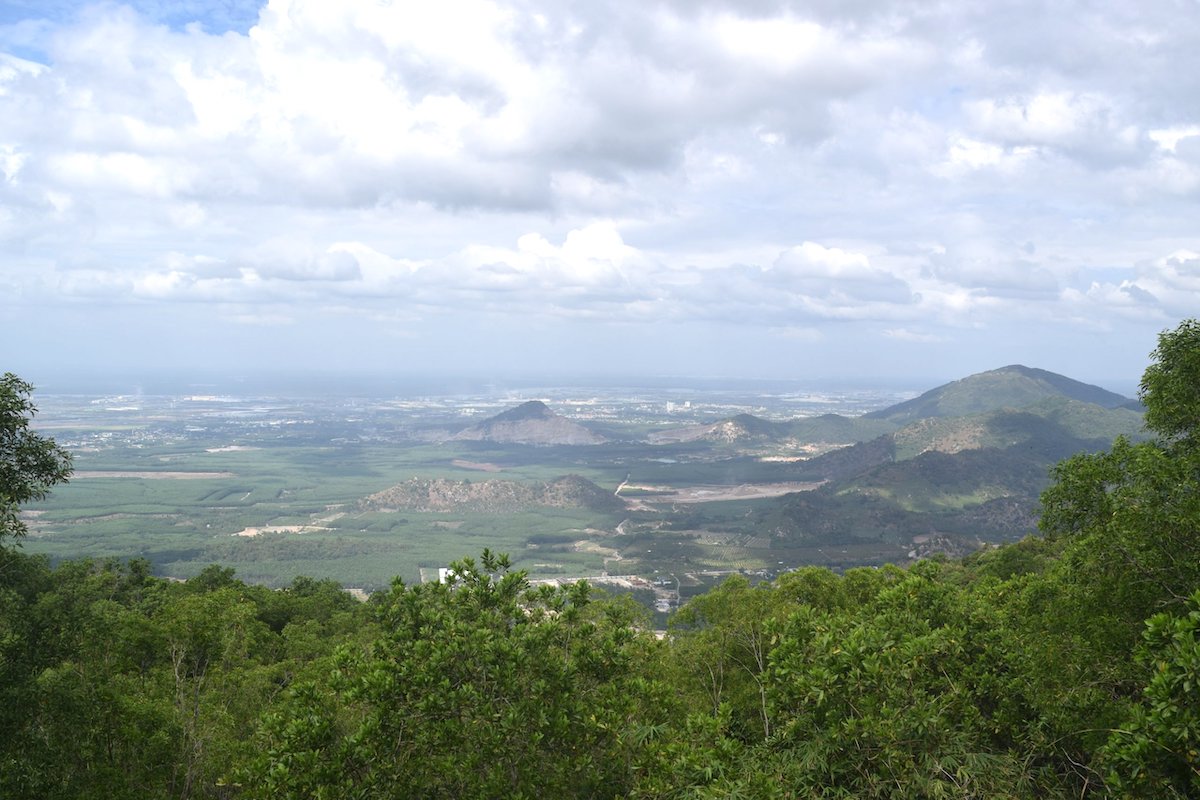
[{"x": 1065, "y": 665}]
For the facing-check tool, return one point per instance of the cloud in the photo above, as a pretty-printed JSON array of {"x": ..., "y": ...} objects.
[
  {"x": 1164, "y": 288},
  {"x": 1169, "y": 138},
  {"x": 1172, "y": 281},
  {"x": 999, "y": 274},
  {"x": 906, "y": 335},
  {"x": 471, "y": 103},
  {"x": 768, "y": 166},
  {"x": 295, "y": 260},
  {"x": 837, "y": 280}
]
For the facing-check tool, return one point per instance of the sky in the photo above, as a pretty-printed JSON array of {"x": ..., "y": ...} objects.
[{"x": 831, "y": 189}]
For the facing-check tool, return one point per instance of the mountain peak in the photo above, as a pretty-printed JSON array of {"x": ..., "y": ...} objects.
[
  {"x": 531, "y": 409},
  {"x": 531, "y": 422},
  {"x": 1014, "y": 386}
]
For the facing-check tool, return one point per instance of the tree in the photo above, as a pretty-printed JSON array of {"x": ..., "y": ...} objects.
[
  {"x": 1131, "y": 516},
  {"x": 901, "y": 694},
  {"x": 1129, "y": 520},
  {"x": 1170, "y": 386},
  {"x": 1157, "y": 752},
  {"x": 29, "y": 464},
  {"x": 722, "y": 636},
  {"x": 480, "y": 687}
]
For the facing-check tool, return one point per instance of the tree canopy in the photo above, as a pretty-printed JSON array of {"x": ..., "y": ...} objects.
[
  {"x": 1169, "y": 387},
  {"x": 29, "y": 464}
]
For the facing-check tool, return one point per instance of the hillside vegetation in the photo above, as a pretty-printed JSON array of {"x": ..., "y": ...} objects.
[
  {"x": 1053, "y": 419},
  {"x": 1008, "y": 387},
  {"x": 961, "y": 480}
]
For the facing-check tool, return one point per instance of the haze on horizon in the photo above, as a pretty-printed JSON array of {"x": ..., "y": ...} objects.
[{"x": 738, "y": 189}]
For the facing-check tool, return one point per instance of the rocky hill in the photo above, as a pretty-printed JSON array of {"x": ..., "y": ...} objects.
[
  {"x": 530, "y": 423},
  {"x": 749, "y": 429},
  {"x": 740, "y": 428},
  {"x": 492, "y": 496}
]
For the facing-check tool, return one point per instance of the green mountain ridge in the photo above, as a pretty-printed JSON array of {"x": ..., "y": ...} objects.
[
  {"x": 1007, "y": 427},
  {"x": 955, "y": 410},
  {"x": 1014, "y": 386},
  {"x": 975, "y": 476},
  {"x": 959, "y": 477}
]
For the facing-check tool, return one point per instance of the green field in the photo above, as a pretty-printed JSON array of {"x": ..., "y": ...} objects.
[
  {"x": 182, "y": 524},
  {"x": 301, "y": 494}
]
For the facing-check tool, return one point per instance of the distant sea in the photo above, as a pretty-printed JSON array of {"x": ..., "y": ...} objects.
[{"x": 328, "y": 384}]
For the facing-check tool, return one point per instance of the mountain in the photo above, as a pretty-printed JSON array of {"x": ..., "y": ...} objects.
[
  {"x": 967, "y": 465},
  {"x": 956, "y": 479},
  {"x": 529, "y": 423},
  {"x": 847, "y": 462},
  {"x": 1014, "y": 386},
  {"x": 1046, "y": 419}
]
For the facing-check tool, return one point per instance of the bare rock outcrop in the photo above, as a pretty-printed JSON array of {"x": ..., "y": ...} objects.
[{"x": 492, "y": 496}]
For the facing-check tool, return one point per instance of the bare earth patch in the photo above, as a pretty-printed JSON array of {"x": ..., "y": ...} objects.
[
  {"x": 609, "y": 553},
  {"x": 98, "y": 473},
  {"x": 714, "y": 494},
  {"x": 276, "y": 529}
]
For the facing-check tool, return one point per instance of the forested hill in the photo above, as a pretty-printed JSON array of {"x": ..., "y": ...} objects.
[
  {"x": 943, "y": 483},
  {"x": 1062, "y": 666},
  {"x": 1014, "y": 386}
]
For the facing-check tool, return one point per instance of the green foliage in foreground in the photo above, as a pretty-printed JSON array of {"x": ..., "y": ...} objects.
[
  {"x": 115, "y": 684},
  {"x": 477, "y": 687},
  {"x": 29, "y": 464},
  {"x": 1064, "y": 666},
  {"x": 984, "y": 678}
]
